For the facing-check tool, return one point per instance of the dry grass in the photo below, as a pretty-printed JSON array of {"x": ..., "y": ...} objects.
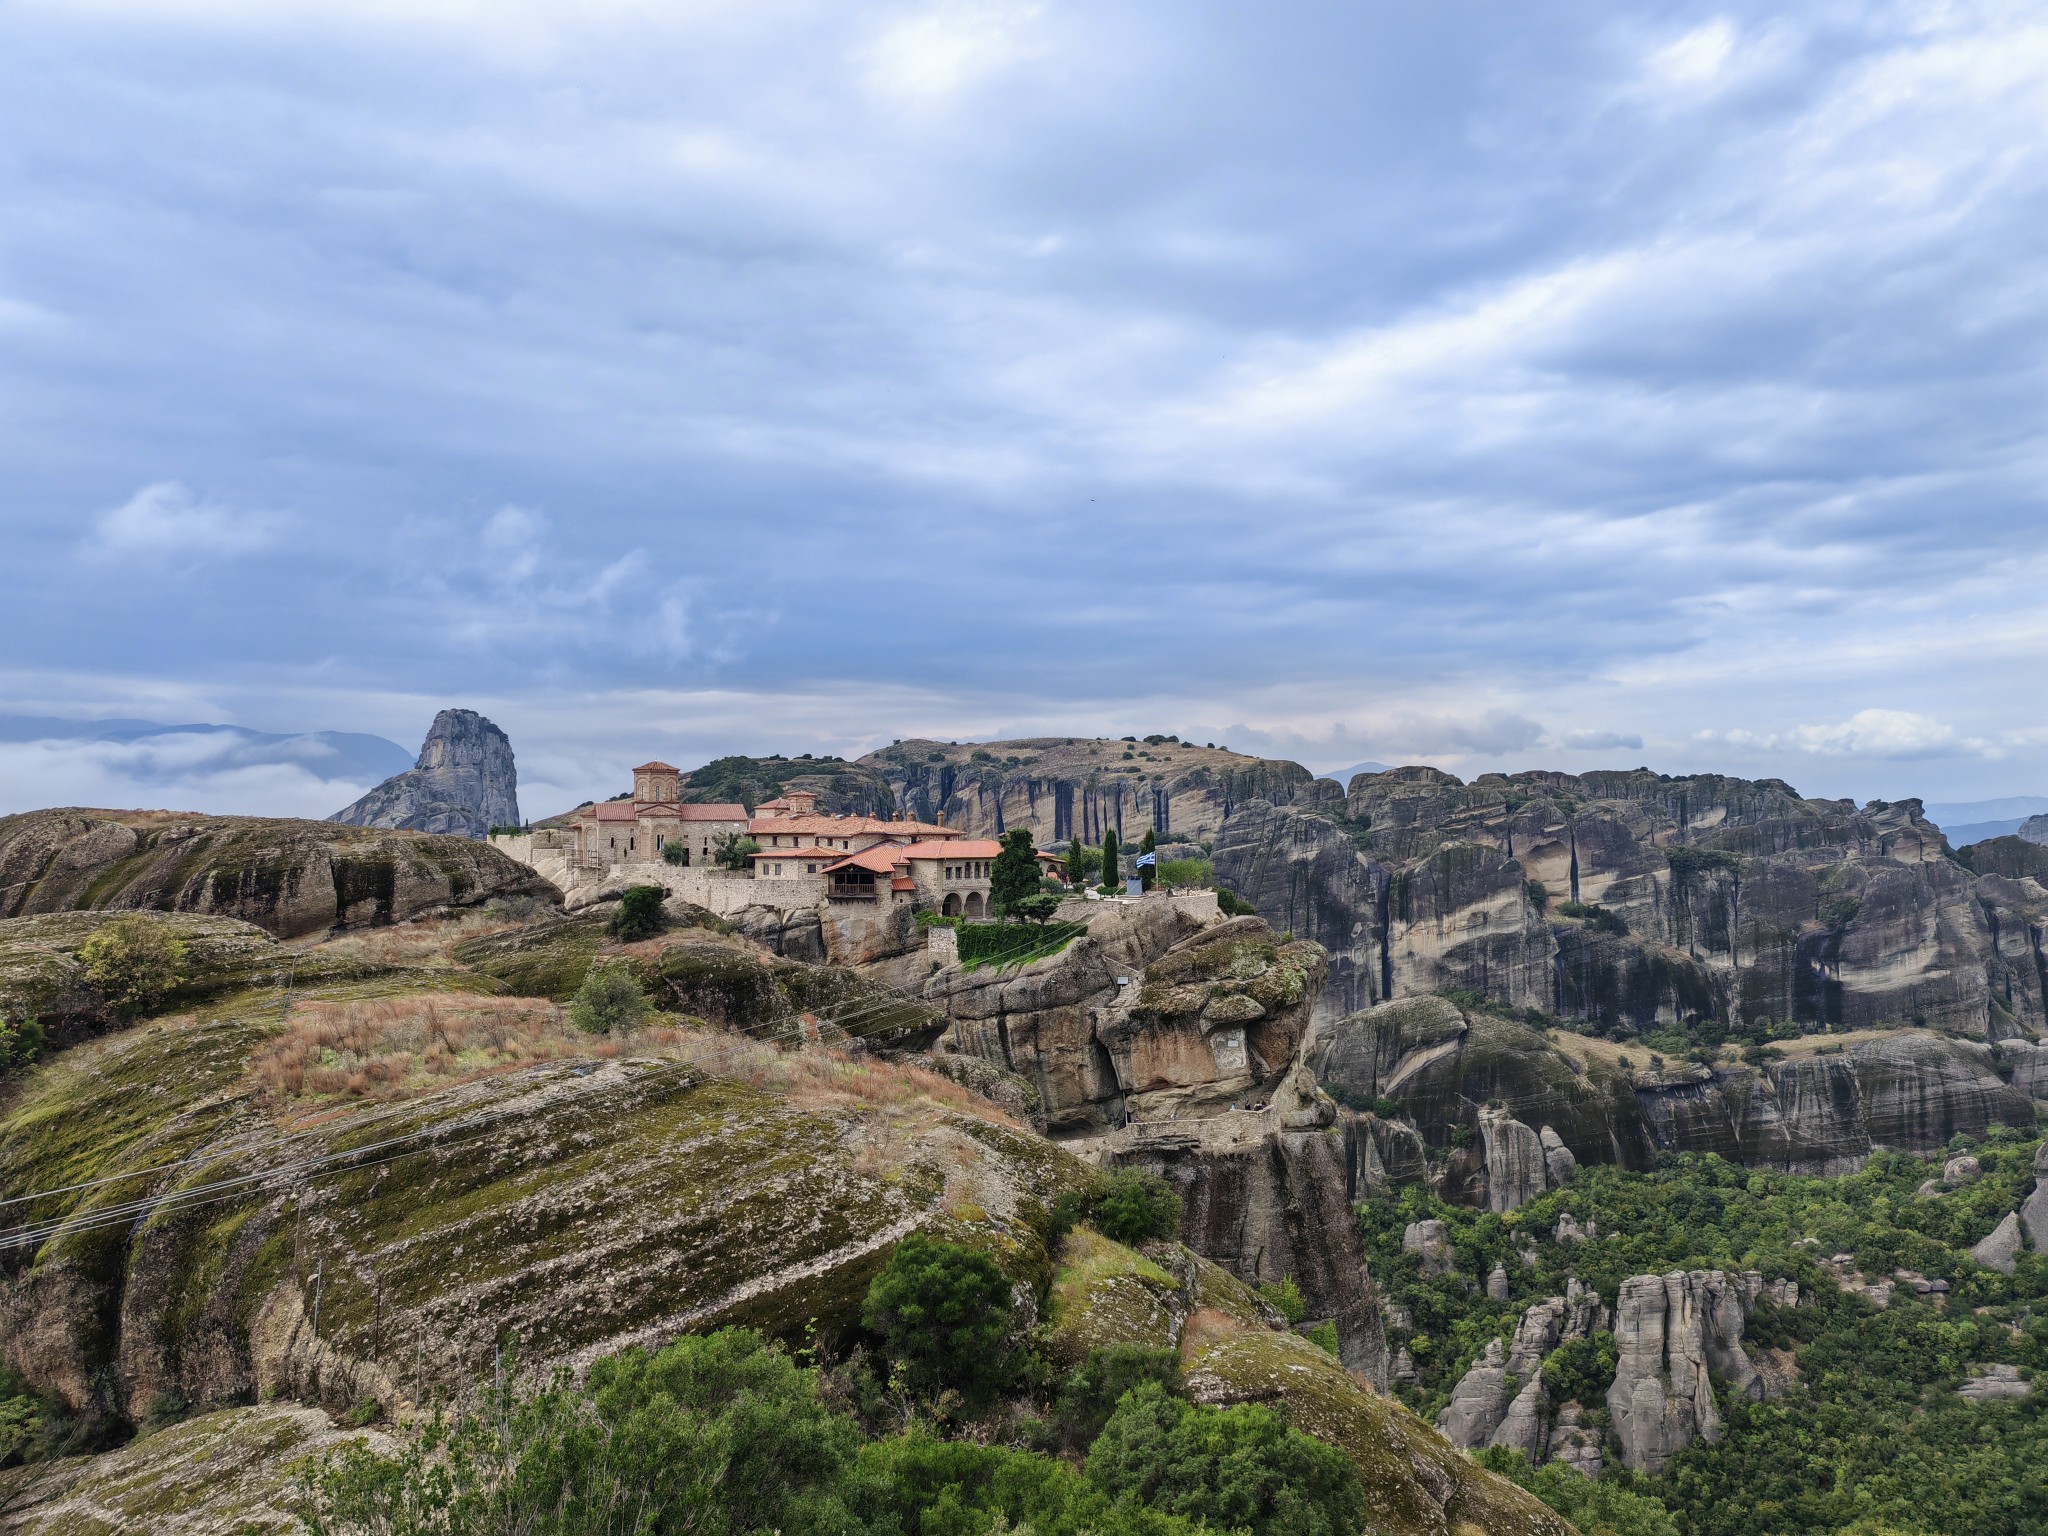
[
  {"x": 424, "y": 941},
  {"x": 380, "y": 1049}
]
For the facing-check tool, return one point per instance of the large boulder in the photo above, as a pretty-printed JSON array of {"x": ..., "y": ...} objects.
[
  {"x": 290, "y": 877},
  {"x": 1675, "y": 1335},
  {"x": 464, "y": 783}
]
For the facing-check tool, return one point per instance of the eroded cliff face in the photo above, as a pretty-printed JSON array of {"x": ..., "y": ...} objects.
[
  {"x": 1066, "y": 786},
  {"x": 292, "y": 878},
  {"x": 1696, "y": 898},
  {"x": 1677, "y": 1335},
  {"x": 1442, "y": 1066},
  {"x": 464, "y": 783}
]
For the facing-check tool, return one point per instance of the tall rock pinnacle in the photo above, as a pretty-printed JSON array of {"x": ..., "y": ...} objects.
[{"x": 464, "y": 783}]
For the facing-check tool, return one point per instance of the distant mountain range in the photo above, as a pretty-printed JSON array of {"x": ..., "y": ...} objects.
[
  {"x": 1971, "y": 821},
  {"x": 1344, "y": 776}
]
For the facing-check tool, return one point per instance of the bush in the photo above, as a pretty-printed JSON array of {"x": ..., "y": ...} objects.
[
  {"x": 1236, "y": 1468},
  {"x": 1038, "y": 907},
  {"x": 1137, "y": 1207},
  {"x": 675, "y": 851},
  {"x": 1284, "y": 1296},
  {"x": 1013, "y": 944},
  {"x": 1186, "y": 872},
  {"x": 1091, "y": 1392},
  {"x": 1233, "y": 905},
  {"x": 1603, "y": 1508},
  {"x": 639, "y": 915},
  {"x": 133, "y": 962},
  {"x": 1581, "y": 1370},
  {"x": 943, "y": 1313},
  {"x": 610, "y": 1000}
]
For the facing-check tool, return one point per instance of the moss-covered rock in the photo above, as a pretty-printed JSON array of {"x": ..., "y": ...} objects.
[
  {"x": 230, "y": 1473},
  {"x": 288, "y": 876}
]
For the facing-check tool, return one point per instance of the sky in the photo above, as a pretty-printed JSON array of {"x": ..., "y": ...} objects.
[{"x": 1496, "y": 385}]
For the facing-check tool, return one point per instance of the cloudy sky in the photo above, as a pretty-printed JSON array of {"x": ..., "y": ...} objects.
[{"x": 1494, "y": 384}]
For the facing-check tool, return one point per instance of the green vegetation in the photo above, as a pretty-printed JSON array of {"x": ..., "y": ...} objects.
[
  {"x": 1173, "y": 872},
  {"x": 1593, "y": 915},
  {"x": 1138, "y": 1206},
  {"x": 133, "y": 963},
  {"x": 639, "y": 915},
  {"x": 1110, "y": 855},
  {"x": 1082, "y": 861},
  {"x": 1284, "y": 1296},
  {"x": 610, "y": 1000},
  {"x": 1872, "y": 1438},
  {"x": 731, "y": 850},
  {"x": 1013, "y": 877},
  {"x": 1233, "y": 905},
  {"x": 1007, "y": 943},
  {"x": 1149, "y": 843},
  {"x": 943, "y": 1314}
]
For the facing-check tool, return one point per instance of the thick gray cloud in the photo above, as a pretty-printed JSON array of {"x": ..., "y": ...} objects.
[{"x": 1508, "y": 385}]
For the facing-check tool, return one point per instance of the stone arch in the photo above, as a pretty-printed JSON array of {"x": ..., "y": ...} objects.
[
  {"x": 950, "y": 907},
  {"x": 973, "y": 908}
]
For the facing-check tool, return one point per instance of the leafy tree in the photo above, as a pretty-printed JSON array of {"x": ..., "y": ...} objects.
[
  {"x": 133, "y": 962},
  {"x": 1581, "y": 1370},
  {"x": 1607, "y": 1507},
  {"x": 714, "y": 1436},
  {"x": 1092, "y": 1390},
  {"x": 1080, "y": 860},
  {"x": 639, "y": 915},
  {"x": 943, "y": 1312},
  {"x": 1236, "y": 1468},
  {"x": 919, "y": 1483},
  {"x": 1038, "y": 907},
  {"x": 610, "y": 1000},
  {"x": 731, "y": 850},
  {"x": 675, "y": 851},
  {"x": 1233, "y": 905},
  {"x": 1149, "y": 843},
  {"x": 1110, "y": 854},
  {"x": 1137, "y": 1207},
  {"x": 1013, "y": 877}
]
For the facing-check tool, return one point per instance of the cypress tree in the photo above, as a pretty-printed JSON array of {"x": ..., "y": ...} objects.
[
  {"x": 1109, "y": 857},
  {"x": 1074, "y": 860},
  {"x": 1149, "y": 844}
]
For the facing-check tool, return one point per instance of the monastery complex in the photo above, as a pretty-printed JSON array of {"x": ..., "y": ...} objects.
[{"x": 846, "y": 865}]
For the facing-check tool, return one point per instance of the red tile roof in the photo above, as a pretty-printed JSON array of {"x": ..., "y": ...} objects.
[
  {"x": 881, "y": 858},
  {"x": 847, "y": 826},
  {"x": 965, "y": 848},
  {"x": 611, "y": 810},
  {"x": 688, "y": 812},
  {"x": 657, "y": 768}
]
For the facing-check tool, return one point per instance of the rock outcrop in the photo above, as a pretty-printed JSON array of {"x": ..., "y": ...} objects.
[
  {"x": 1817, "y": 1114},
  {"x": 1479, "y": 1402},
  {"x": 1628, "y": 900},
  {"x": 292, "y": 878},
  {"x": 2034, "y": 1212},
  {"x": 2000, "y": 1248},
  {"x": 1517, "y": 1170},
  {"x": 1675, "y": 1335},
  {"x": 1995, "y": 1384},
  {"x": 464, "y": 783},
  {"x": 1063, "y": 786}
]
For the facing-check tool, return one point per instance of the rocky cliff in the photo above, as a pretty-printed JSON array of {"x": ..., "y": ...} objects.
[
  {"x": 1625, "y": 901},
  {"x": 1441, "y": 1066},
  {"x": 290, "y": 877},
  {"x": 1065, "y": 786},
  {"x": 1676, "y": 1336},
  {"x": 463, "y": 784}
]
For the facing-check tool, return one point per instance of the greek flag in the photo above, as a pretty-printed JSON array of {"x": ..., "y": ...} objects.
[{"x": 1144, "y": 859}]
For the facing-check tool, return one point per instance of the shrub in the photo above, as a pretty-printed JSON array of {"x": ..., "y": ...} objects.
[
  {"x": 610, "y": 1000},
  {"x": 730, "y": 850},
  {"x": 1137, "y": 1207},
  {"x": 1187, "y": 872},
  {"x": 1386, "y": 1109},
  {"x": 133, "y": 962},
  {"x": 1010, "y": 944},
  {"x": 1091, "y": 1392},
  {"x": 1284, "y": 1296},
  {"x": 675, "y": 851},
  {"x": 1581, "y": 1370},
  {"x": 1603, "y": 1508},
  {"x": 1233, "y": 905},
  {"x": 1236, "y": 1468},
  {"x": 639, "y": 915},
  {"x": 943, "y": 1313},
  {"x": 1323, "y": 1336},
  {"x": 1038, "y": 907}
]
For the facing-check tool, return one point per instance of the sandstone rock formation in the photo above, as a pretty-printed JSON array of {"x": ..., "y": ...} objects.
[
  {"x": 1674, "y": 1336},
  {"x": 290, "y": 877},
  {"x": 1479, "y": 1402},
  {"x": 1995, "y": 1384},
  {"x": 463, "y": 784},
  {"x": 1517, "y": 1170},
  {"x": 1701, "y": 897},
  {"x": 1062, "y": 787},
  {"x": 2034, "y": 1212},
  {"x": 1819, "y": 1114},
  {"x": 2000, "y": 1248},
  {"x": 1431, "y": 1241}
]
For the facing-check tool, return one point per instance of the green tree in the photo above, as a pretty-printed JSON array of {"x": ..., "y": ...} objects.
[
  {"x": 1110, "y": 854},
  {"x": 943, "y": 1312},
  {"x": 1013, "y": 877},
  {"x": 1079, "y": 856},
  {"x": 1093, "y": 1389},
  {"x": 639, "y": 915},
  {"x": 1285, "y": 1298},
  {"x": 1236, "y": 1468},
  {"x": 1603, "y": 1508},
  {"x": 714, "y": 1436},
  {"x": 133, "y": 962},
  {"x": 1137, "y": 1207},
  {"x": 1149, "y": 843},
  {"x": 730, "y": 850},
  {"x": 610, "y": 1000},
  {"x": 1038, "y": 907}
]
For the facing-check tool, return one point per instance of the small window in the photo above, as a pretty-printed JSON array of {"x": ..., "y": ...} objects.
[{"x": 810, "y": 869}]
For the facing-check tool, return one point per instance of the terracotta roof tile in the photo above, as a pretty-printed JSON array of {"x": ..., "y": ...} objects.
[{"x": 657, "y": 768}]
